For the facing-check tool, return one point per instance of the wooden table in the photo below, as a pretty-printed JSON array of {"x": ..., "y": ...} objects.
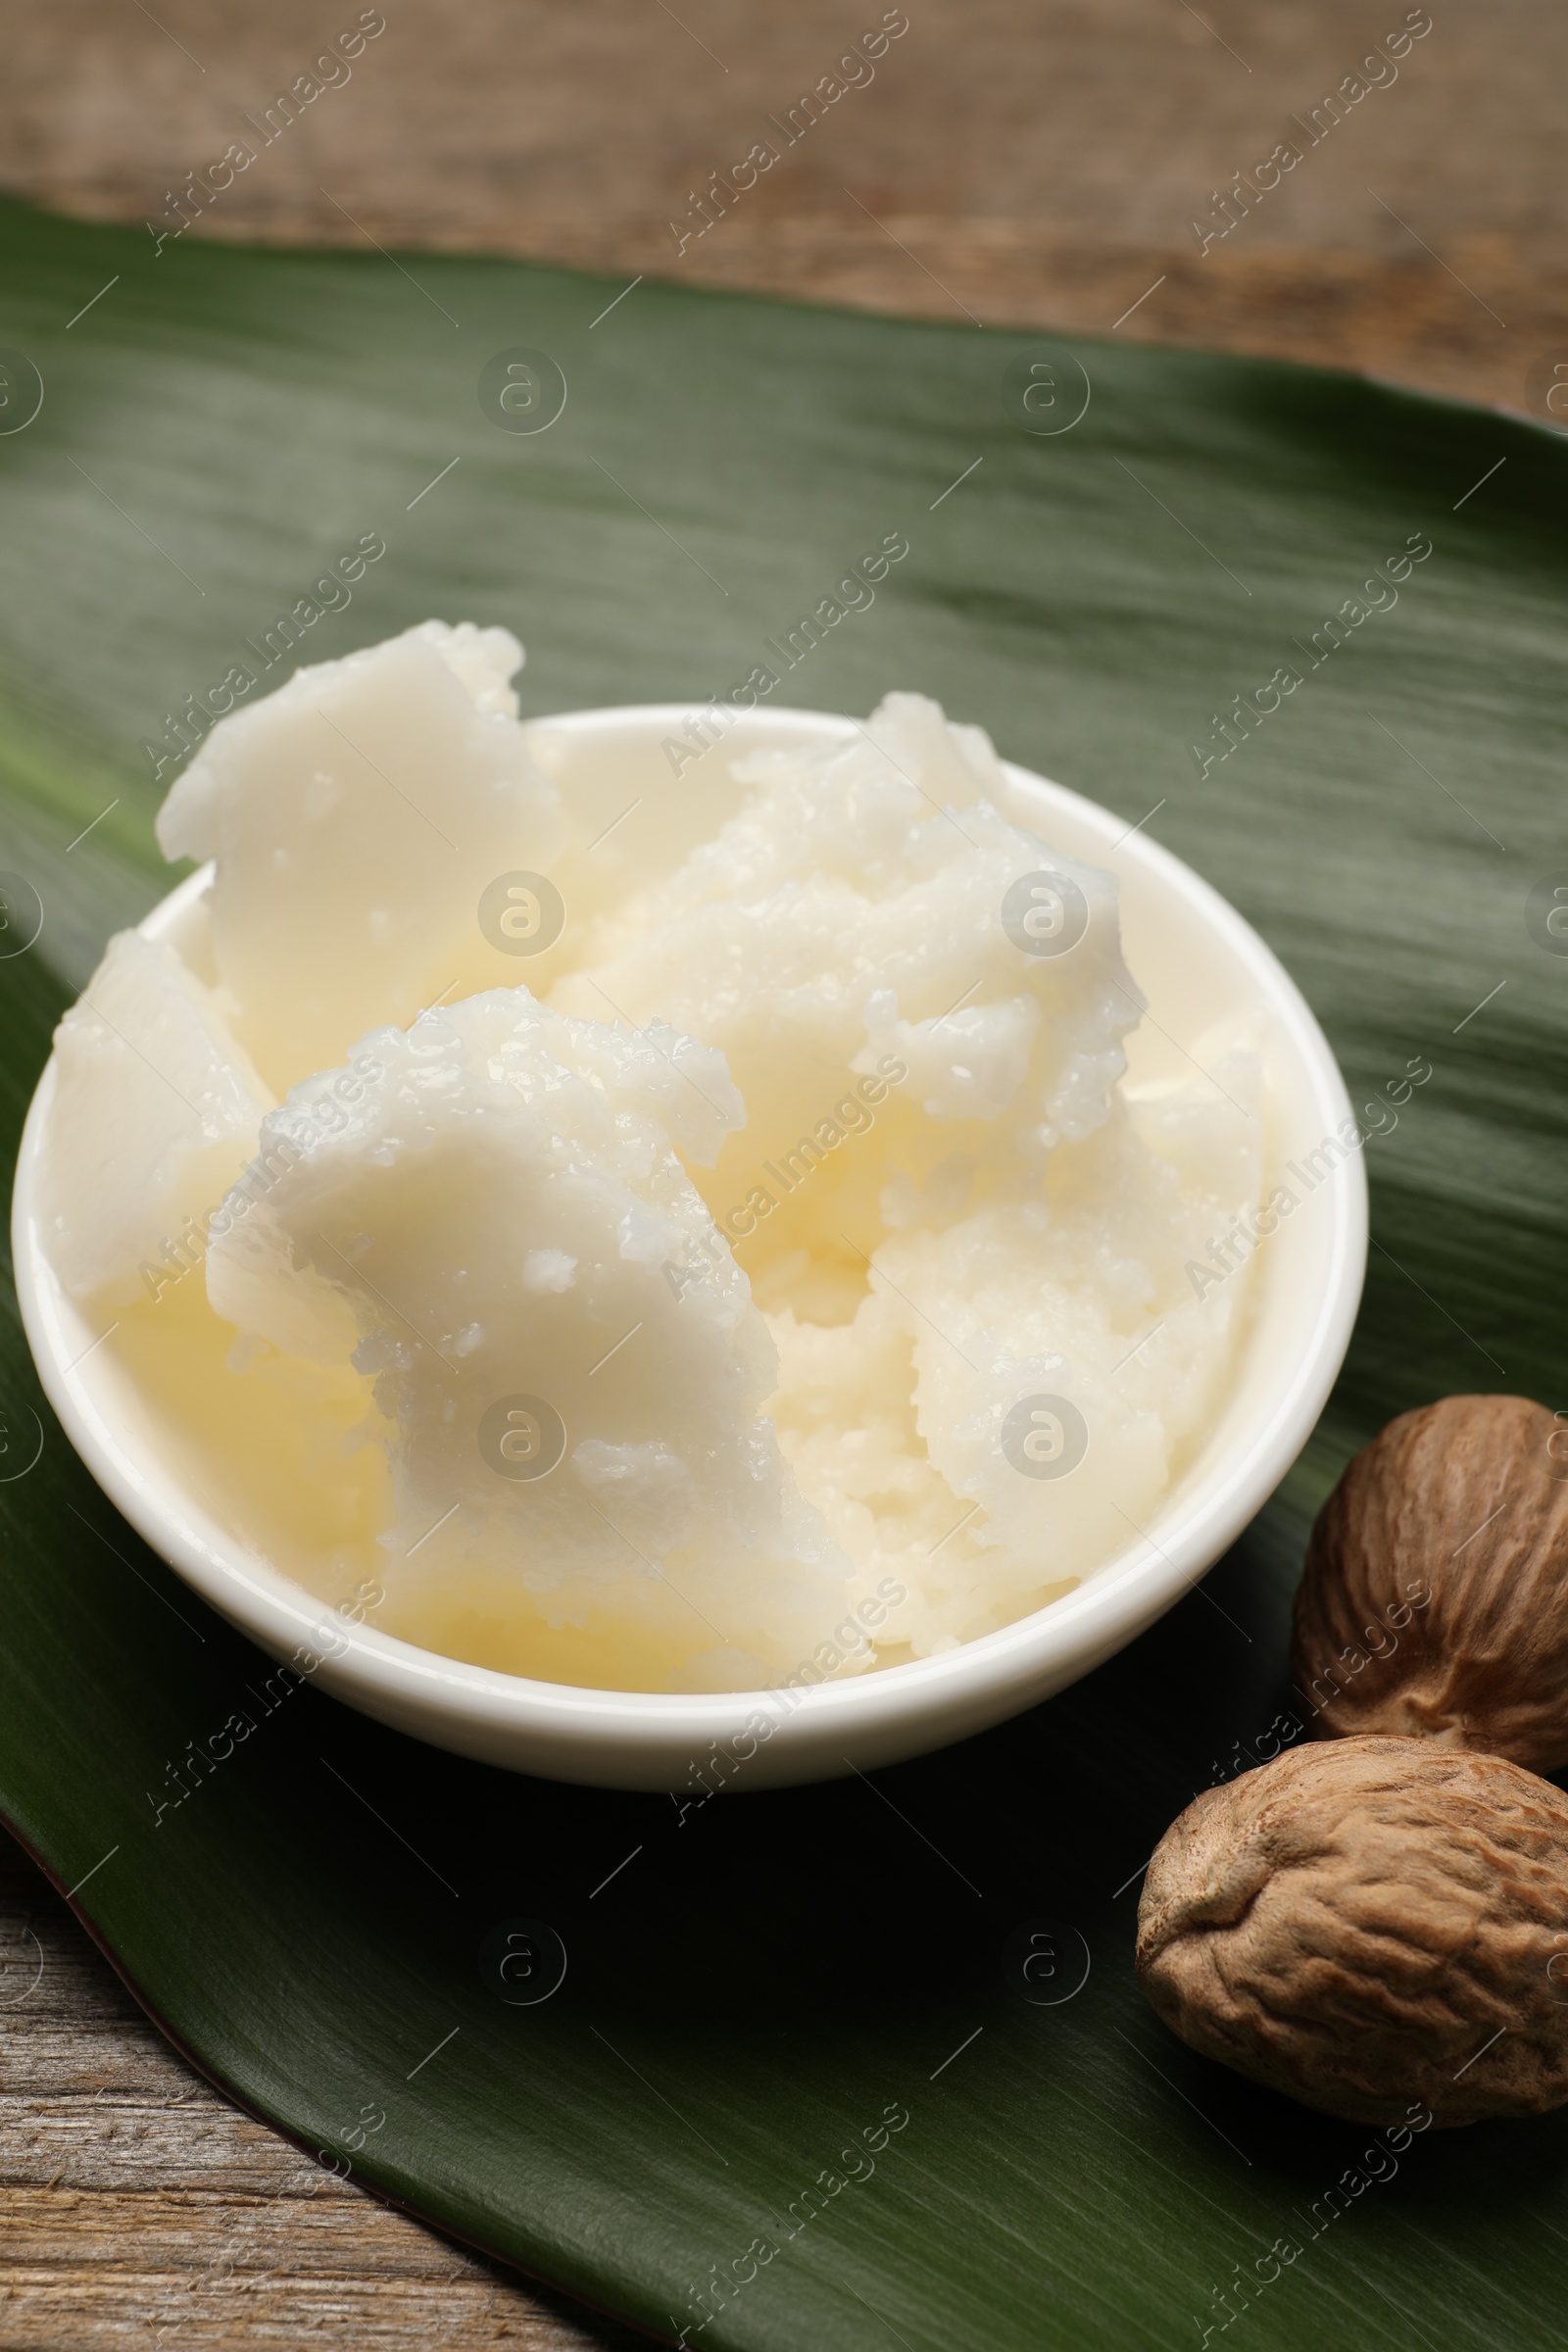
[
  {"x": 1006, "y": 164},
  {"x": 140, "y": 2209},
  {"x": 1035, "y": 165}
]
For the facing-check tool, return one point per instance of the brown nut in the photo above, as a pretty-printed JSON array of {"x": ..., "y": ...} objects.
[
  {"x": 1369, "y": 1923},
  {"x": 1435, "y": 1601}
]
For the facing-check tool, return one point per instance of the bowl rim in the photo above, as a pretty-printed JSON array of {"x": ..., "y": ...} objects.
[{"x": 983, "y": 1679}]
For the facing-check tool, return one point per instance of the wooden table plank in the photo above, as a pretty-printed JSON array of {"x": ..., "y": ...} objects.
[
  {"x": 138, "y": 2208},
  {"x": 1011, "y": 163}
]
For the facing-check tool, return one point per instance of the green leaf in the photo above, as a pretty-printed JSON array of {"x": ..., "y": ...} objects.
[{"x": 765, "y": 1982}]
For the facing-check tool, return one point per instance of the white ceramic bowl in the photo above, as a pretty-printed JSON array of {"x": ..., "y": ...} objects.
[{"x": 1195, "y": 959}]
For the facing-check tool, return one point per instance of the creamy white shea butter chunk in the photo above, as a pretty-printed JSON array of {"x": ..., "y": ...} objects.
[
  {"x": 155, "y": 1110},
  {"x": 355, "y": 816},
  {"x": 484, "y": 1236},
  {"x": 785, "y": 1284}
]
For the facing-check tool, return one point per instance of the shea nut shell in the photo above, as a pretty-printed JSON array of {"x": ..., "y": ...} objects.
[
  {"x": 1375, "y": 1927},
  {"x": 1435, "y": 1601}
]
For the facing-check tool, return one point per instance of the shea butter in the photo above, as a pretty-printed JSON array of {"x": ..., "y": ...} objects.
[
  {"x": 748, "y": 1263},
  {"x": 355, "y": 818}
]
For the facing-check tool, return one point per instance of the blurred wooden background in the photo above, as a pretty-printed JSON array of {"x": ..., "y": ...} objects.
[
  {"x": 998, "y": 162},
  {"x": 1029, "y": 165}
]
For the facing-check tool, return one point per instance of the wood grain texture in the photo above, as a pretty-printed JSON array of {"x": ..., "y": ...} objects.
[
  {"x": 1016, "y": 164},
  {"x": 137, "y": 2207}
]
